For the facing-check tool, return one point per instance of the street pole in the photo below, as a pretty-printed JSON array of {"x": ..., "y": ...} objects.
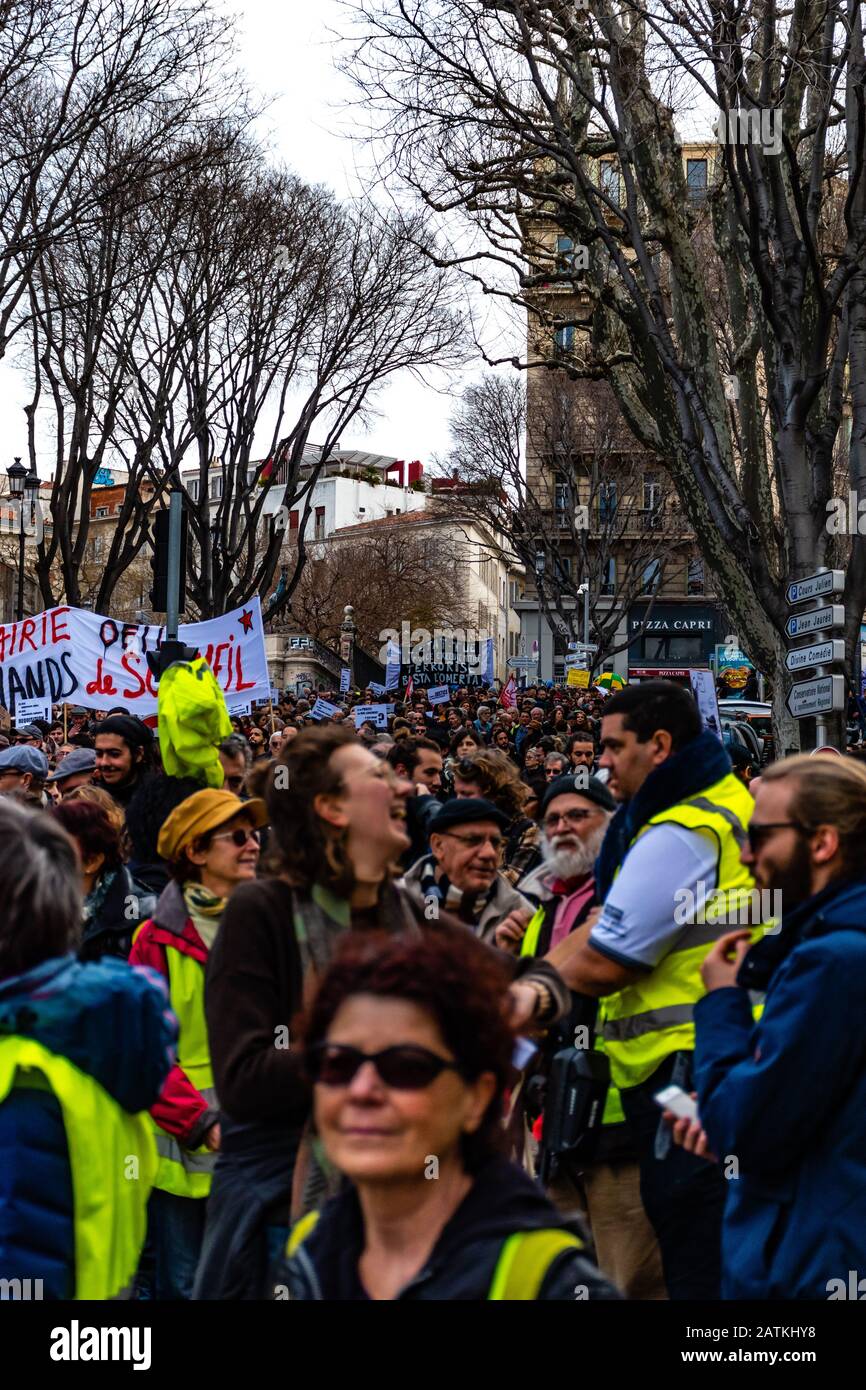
[
  {"x": 586, "y": 614},
  {"x": 175, "y": 512},
  {"x": 347, "y": 641},
  {"x": 21, "y": 561},
  {"x": 539, "y": 577}
]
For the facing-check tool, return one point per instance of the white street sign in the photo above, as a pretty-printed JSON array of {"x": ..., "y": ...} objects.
[
  {"x": 817, "y": 620},
  {"x": 520, "y": 663},
  {"x": 821, "y": 654},
  {"x": 820, "y": 696},
  {"x": 582, "y": 647},
  {"x": 816, "y": 585}
]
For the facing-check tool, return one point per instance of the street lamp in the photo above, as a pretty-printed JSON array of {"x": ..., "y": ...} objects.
[
  {"x": 540, "y": 561},
  {"x": 22, "y": 483},
  {"x": 584, "y": 589},
  {"x": 348, "y": 628}
]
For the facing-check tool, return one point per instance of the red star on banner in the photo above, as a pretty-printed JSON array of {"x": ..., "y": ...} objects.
[{"x": 246, "y": 622}]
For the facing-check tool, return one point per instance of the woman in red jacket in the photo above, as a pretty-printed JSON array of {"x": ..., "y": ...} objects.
[{"x": 211, "y": 844}]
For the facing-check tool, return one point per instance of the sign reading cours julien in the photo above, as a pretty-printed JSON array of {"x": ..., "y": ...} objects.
[{"x": 72, "y": 656}]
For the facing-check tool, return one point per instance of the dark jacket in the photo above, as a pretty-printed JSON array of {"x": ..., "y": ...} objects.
[
  {"x": 109, "y": 931},
  {"x": 783, "y": 1102},
  {"x": 501, "y": 1201},
  {"x": 113, "y": 1023}
]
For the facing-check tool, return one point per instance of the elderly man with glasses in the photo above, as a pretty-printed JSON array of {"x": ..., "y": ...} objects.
[{"x": 462, "y": 872}]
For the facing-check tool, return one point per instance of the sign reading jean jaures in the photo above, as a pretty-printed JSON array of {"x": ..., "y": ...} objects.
[{"x": 72, "y": 655}]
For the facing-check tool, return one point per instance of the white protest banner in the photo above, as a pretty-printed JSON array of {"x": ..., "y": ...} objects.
[
  {"x": 345, "y": 677},
  {"x": 73, "y": 656},
  {"x": 704, "y": 690},
  {"x": 28, "y": 710},
  {"x": 376, "y": 688},
  {"x": 438, "y": 695},
  {"x": 244, "y": 707},
  {"x": 323, "y": 709},
  {"x": 392, "y": 667},
  {"x": 377, "y": 714}
]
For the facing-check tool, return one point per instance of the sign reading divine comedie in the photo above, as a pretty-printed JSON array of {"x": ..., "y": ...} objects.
[{"x": 72, "y": 656}]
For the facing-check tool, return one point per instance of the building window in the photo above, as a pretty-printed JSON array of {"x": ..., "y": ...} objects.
[
  {"x": 564, "y": 338},
  {"x": 561, "y": 497},
  {"x": 696, "y": 179},
  {"x": 610, "y": 182},
  {"x": 695, "y": 582},
  {"x": 608, "y": 584},
  {"x": 294, "y": 519},
  {"x": 565, "y": 252},
  {"x": 607, "y": 503},
  {"x": 216, "y": 487},
  {"x": 652, "y": 501},
  {"x": 651, "y": 577},
  {"x": 102, "y": 512},
  {"x": 319, "y": 533},
  {"x": 563, "y": 566},
  {"x": 192, "y": 489}
]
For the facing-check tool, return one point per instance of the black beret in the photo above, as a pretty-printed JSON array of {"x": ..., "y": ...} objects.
[
  {"x": 578, "y": 784},
  {"x": 463, "y": 811},
  {"x": 126, "y": 726}
]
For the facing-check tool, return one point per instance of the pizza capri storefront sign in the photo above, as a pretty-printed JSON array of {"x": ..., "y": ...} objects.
[{"x": 675, "y": 637}]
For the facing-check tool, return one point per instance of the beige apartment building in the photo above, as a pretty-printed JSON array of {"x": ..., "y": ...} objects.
[{"x": 648, "y": 586}]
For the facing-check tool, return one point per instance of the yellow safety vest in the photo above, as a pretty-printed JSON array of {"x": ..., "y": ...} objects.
[
  {"x": 523, "y": 1264},
  {"x": 112, "y": 1159},
  {"x": 644, "y": 1023},
  {"x": 613, "y": 1111},
  {"x": 187, "y": 1172}
]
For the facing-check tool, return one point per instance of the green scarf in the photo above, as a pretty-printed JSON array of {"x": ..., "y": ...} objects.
[{"x": 205, "y": 909}]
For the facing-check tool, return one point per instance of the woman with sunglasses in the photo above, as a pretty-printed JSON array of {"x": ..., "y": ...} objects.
[
  {"x": 338, "y": 830},
  {"x": 211, "y": 844},
  {"x": 409, "y": 1052}
]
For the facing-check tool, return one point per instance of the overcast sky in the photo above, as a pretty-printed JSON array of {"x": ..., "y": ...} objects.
[{"x": 287, "y": 54}]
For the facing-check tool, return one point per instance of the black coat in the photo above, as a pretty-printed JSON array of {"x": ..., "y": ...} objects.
[{"x": 501, "y": 1202}]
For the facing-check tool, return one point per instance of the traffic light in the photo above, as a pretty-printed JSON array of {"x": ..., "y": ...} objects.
[{"x": 159, "y": 562}]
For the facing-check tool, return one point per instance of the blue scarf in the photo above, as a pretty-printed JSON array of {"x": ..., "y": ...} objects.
[{"x": 696, "y": 766}]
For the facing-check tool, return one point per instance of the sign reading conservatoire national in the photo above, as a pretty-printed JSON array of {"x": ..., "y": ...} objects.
[{"x": 69, "y": 655}]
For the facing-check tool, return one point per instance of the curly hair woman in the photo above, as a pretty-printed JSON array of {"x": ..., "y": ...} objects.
[
  {"x": 409, "y": 1051},
  {"x": 338, "y": 828}
]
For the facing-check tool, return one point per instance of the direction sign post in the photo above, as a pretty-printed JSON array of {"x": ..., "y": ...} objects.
[
  {"x": 825, "y": 693},
  {"x": 816, "y": 586},
  {"x": 816, "y": 620},
  {"x": 821, "y": 654}
]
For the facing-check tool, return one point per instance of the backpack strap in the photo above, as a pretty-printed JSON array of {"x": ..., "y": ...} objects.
[
  {"x": 524, "y": 1261},
  {"x": 300, "y": 1231}
]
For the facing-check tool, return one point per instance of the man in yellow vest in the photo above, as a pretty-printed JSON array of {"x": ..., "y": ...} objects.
[{"x": 671, "y": 882}]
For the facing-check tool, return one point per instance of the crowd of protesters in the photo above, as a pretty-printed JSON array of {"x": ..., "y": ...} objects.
[{"x": 323, "y": 994}]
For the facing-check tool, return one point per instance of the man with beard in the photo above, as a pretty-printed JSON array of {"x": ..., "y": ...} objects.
[
  {"x": 575, "y": 813},
  {"x": 786, "y": 1095}
]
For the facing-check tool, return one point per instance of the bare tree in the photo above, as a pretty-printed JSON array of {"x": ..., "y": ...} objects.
[
  {"x": 69, "y": 70},
  {"x": 566, "y": 480},
  {"x": 279, "y": 311},
  {"x": 386, "y": 576},
  {"x": 528, "y": 119}
]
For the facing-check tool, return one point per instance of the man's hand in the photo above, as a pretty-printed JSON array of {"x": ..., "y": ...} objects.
[
  {"x": 213, "y": 1138},
  {"x": 512, "y": 929},
  {"x": 523, "y": 1000},
  {"x": 720, "y": 967},
  {"x": 688, "y": 1134}
]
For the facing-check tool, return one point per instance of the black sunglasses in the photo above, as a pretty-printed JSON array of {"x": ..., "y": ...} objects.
[
  {"x": 404, "y": 1067},
  {"x": 759, "y": 833}
]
